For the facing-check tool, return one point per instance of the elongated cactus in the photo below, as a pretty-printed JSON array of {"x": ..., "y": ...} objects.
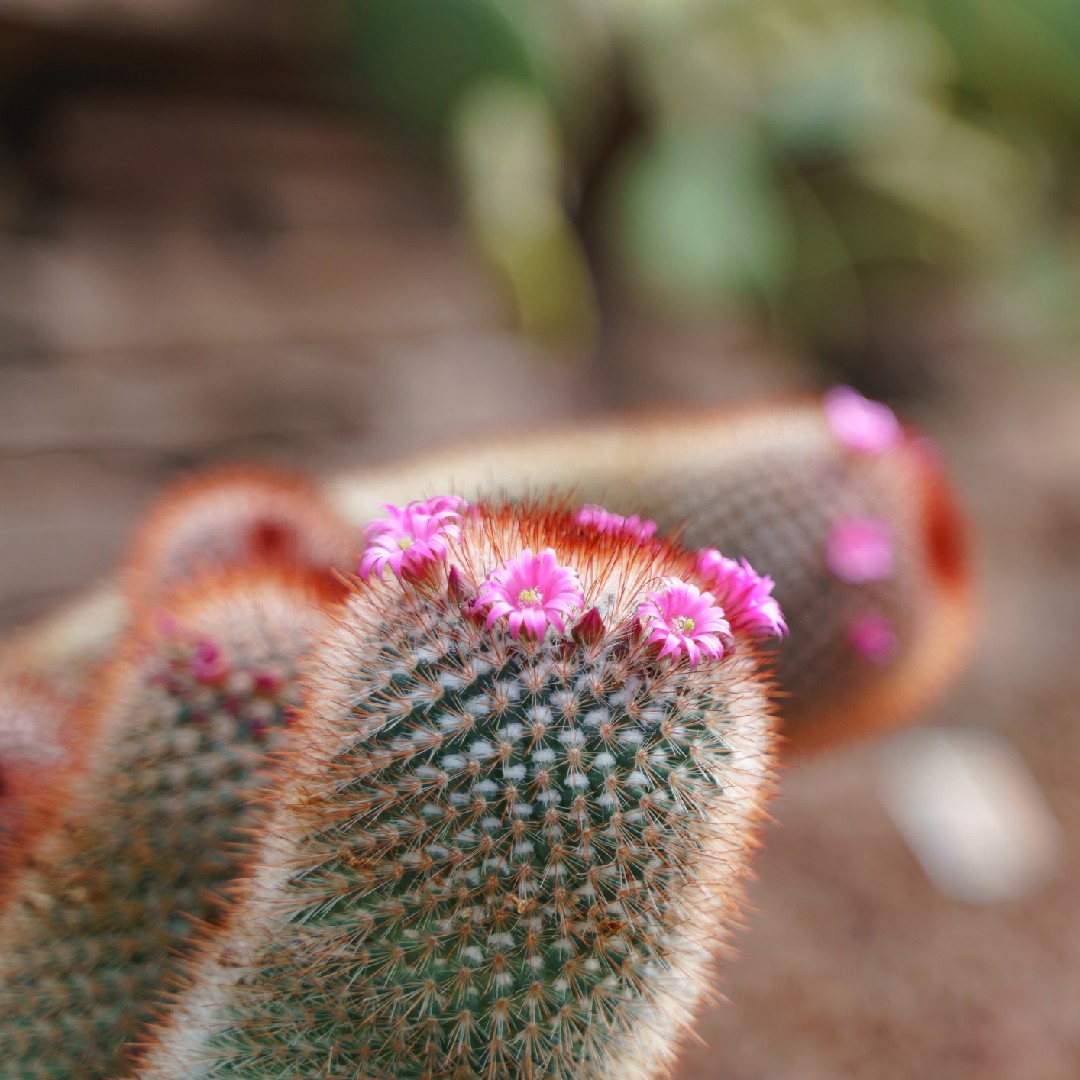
[
  {"x": 170, "y": 752},
  {"x": 848, "y": 510},
  {"x": 515, "y": 825}
]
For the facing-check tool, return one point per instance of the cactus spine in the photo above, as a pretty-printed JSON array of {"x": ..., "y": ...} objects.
[
  {"x": 151, "y": 814},
  {"x": 514, "y": 827}
]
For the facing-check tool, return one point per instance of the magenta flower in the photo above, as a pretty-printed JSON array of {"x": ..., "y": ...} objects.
[
  {"x": 860, "y": 550},
  {"x": 439, "y": 504},
  {"x": 409, "y": 538},
  {"x": 596, "y": 517},
  {"x": 745, "y": 595},
  {"x": 859, "y": 423},
  {"x": 532, "y": 591},
  {"x": 873, "y": 638},
  {"x": 208, "y": 664},
  {"x": 684, "y": 620}
]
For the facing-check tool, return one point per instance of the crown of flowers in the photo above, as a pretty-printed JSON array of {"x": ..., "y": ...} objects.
[{"x": 534, "y": 592}]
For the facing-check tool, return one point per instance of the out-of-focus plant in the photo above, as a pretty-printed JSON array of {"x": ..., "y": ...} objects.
[{"x": 785, "y": 157}]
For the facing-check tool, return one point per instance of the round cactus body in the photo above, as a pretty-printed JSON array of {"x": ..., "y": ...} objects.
[
  {"x": 513, "y": 831},
  {"x": 150, "y": 818}
]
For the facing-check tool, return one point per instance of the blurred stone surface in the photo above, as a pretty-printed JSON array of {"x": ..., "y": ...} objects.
[
  {"x": 214, "y": 280},
  {"x": 213, "y": 17}
]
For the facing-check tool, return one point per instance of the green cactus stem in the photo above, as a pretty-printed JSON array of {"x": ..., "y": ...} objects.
[
  {"x": 150, "y": 818},
  {"x": 514, "y": 828}
]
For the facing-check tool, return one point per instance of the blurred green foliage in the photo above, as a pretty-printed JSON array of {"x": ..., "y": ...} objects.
[{"x": 781, "y": 156}]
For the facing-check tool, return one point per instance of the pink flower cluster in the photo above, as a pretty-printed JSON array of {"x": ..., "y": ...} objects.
[
  {"x": 531, "y": 591},
  {"x": 860, "y": 424},
  {"x": 746, "y": 596},
  {"x": 410, "y": 538},
  {"x": 604, "y": 521},
  {"x": 683, "y": 620}
]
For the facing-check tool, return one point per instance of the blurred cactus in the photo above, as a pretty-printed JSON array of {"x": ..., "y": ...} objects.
[
  {"x": 234, "y": 515},
  {"x": 803, "y": 491},
  {"x": 516, "y": 822},
  {"x": 143, "y": 832}
]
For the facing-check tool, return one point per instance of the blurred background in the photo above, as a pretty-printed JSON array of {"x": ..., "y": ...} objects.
[{"x": 327, "y": 232}]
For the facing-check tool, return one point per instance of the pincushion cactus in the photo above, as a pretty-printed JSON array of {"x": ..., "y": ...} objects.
[
  {"x": 148, "y": 818},
  {"x": 514, "y": 827},
  {"x": 848, "y": 510}
]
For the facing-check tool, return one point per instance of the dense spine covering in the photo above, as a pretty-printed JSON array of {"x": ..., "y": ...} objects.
[
  {"x": 151, "y": 818},
  {"x": 514, "y": 828}
]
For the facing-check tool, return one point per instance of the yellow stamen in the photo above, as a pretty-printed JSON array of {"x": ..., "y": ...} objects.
[
  {"x": 683, "y": 624},
  {"x": 530, "y": 596}
]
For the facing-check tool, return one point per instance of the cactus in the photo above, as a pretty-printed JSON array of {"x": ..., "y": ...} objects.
[
  {"x": 233, "y": 515},
  {"x": 150, "y": 814},
  {"x": 514, "y": 825},
  {"x": 783, "y": 486}
]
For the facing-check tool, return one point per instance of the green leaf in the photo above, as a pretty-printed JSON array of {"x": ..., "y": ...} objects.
[
  {"x": 699, "y": 218},
  {"x": 415, "y": 59}
]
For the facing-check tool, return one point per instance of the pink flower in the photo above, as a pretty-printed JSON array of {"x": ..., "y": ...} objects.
[
  {"x": 873, "y": 638},
  {"x": 860, "y": 550},
  {"x": 860, "y": 424},
  {"x": 532, "y": 590},
  {"x": 438, "y": 504},
  {"x": 684, "y": 620},
  {"x": 596, "y": 517},
  {"x": 409, "y": 539},
  {"x": 208, "y": 664},
  {"x": 745, "y": 595}
]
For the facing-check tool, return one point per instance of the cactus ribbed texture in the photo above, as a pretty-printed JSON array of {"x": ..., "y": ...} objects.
[
  {"x": 495, "y": 854},
  {"x": 146, "y": 835}
]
